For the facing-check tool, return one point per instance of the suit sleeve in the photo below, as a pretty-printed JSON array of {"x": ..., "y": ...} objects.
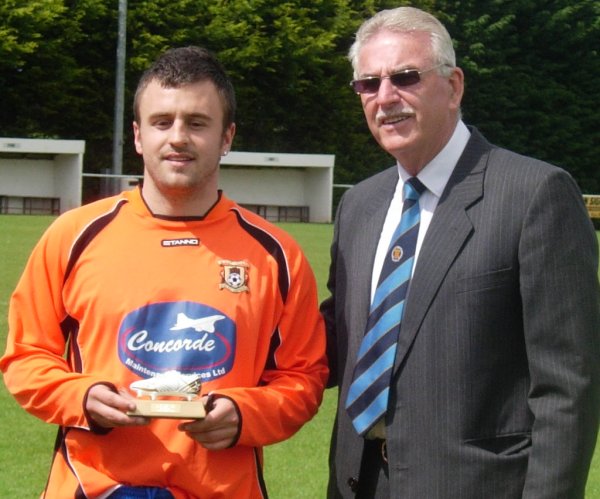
[
  {"x": 558, "y": 254},
  {"x": 328, "y": 306}
]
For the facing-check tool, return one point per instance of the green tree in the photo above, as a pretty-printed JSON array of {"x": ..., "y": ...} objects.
[
  {"x": 26, "y": 39},
  {"x": 531, "y": 71},
  {"x": 57, "y": 72},
  {"x": 281, "y": 56},
  {"x": 531, "y": 77}
]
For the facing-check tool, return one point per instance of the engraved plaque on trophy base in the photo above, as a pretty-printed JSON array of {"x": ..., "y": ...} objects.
[{"x": 170, "y": 409}]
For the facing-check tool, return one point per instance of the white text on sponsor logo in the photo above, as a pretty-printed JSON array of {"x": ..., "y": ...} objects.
[{"x": 140, "y": 341}]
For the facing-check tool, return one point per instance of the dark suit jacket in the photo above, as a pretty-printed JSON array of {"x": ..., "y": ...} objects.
[{"x": 496, "y": 385}]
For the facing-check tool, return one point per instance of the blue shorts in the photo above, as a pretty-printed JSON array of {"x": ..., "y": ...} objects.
[{"x": 141, "y": 493}]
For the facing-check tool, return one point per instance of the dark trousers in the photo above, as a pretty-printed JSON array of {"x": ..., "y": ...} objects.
[{"x": 373, "y": 481}]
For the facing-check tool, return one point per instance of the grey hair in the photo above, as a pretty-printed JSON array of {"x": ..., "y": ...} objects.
[{"x": 404, "y": 20}]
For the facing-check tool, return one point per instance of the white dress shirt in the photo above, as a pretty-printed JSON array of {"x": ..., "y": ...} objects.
[{"x": 434, "y": 177}]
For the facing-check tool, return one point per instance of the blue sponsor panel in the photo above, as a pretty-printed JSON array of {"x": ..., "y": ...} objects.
[{"x": 188, "y": 337}]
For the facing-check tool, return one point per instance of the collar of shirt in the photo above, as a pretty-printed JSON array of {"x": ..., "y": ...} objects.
[
  {"x": 437, "y": 172},
  {"x": 434, "y": 176}
]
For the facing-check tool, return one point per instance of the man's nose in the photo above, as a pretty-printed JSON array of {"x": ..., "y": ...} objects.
[
  {"x": 387, "y": 92},
  {"x": 179, "y": 133}
]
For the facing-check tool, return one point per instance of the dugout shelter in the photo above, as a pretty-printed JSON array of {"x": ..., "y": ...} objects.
[
  {"x": 40, "y": 176},
  {"x": 280, "y": 187}
]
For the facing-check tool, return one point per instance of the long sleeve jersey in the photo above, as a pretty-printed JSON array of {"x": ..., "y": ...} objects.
[{"x": 112, "y": 294}]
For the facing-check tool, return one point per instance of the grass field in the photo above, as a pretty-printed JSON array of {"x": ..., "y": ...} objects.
[{"x": 295, "y": 469}]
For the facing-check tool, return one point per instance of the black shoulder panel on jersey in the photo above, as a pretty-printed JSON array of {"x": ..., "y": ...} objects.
[
  {"x": 70, "y": 330},
  {"x": 275, "y": 343},
  {"x": 273, "y": 247},
  {"x": 90, "y": 232}
]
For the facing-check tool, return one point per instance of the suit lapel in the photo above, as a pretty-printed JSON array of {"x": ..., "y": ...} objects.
[
  {"x": 368, "y": 230},
  {"x": 448, "y": 231}
]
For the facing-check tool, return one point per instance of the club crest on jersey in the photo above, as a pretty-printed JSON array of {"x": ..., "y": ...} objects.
[
  {"x": 234, "y": 276},
  {"x": 188, "y": 337}
]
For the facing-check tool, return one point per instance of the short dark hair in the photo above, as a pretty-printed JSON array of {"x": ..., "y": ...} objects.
[{"x": 185, "y": 65}]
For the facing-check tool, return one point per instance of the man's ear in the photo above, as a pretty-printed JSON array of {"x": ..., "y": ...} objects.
[
  {"x": 228, "y": 135},
  {"x": 457, "y": 86},
  {"x": 136, "y": 138}
]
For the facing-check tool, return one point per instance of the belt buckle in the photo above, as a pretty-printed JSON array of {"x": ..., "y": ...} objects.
[{"x": 384, "y": 455}]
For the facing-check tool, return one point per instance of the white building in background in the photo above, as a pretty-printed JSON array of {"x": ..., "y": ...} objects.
[
  {"x": 40, "y": 176},
  {"x": 280, "y": 187}
]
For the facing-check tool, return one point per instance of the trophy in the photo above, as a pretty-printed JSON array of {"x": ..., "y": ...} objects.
[{"x": 160, "y": 396}]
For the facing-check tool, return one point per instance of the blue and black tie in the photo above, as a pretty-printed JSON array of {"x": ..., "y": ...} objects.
[{"x": 368, "y": 395}]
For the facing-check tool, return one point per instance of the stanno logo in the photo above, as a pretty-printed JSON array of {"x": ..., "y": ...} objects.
[
  {"x": 185, "y": 241},
  {"x": 188, "y": 337}
]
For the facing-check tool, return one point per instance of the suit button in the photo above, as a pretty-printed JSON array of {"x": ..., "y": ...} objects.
[{"x": 353, "y": 483}]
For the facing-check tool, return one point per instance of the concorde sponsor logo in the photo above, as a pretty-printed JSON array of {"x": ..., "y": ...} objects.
[{"x": 189, "y": 337}]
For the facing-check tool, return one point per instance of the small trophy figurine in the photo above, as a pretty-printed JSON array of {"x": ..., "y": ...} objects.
[{"x": 174, "y": 385}]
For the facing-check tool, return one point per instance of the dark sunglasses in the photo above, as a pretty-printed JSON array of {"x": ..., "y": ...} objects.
[{"x": 404, "y": 78}]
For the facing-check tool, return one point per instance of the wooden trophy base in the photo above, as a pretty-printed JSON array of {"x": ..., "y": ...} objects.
[{"x": 170, "y": 409}]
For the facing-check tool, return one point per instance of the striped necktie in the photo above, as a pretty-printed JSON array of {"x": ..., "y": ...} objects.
[{"x": 368, "y": 395}]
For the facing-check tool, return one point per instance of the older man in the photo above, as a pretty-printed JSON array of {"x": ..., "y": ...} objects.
[{"x": 464, "y": 315}]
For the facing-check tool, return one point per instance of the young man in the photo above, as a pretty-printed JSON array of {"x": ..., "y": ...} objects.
[
  {"x": 169, "y": 277},
  {"x": 469, "y": 369}
]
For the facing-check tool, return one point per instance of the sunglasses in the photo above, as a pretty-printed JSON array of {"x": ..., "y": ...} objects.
[{"x": 404, "y": 78}]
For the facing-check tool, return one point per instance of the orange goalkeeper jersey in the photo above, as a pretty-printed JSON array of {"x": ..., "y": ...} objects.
[{"x": 114, "y": 294}]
